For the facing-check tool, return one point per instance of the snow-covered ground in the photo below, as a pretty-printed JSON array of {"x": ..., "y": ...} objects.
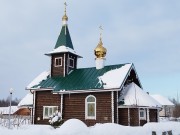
[{"x": 76, "y": 127}]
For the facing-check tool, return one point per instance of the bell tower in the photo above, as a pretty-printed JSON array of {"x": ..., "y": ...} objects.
[{"x": 63, "y": 56}]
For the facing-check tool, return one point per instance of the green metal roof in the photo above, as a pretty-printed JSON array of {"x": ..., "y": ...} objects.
[
  {"x": 64, "y": 38},
  {"x": 79, "y": 79}
]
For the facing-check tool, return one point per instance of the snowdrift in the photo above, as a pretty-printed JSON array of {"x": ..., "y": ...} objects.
[{"x": 77, "y": 127}]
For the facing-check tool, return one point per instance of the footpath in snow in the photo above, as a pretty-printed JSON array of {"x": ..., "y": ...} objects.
[{"x": 77, "y": 127}]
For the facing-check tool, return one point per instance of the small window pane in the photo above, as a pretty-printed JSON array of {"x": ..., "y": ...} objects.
[
  {"x": 50, "y": 112},
  {"x": 58, "y": 61},
  {"x": 91, "y": 109},
  {"x": 46, "y": 112},
  {"x": 71, "y": 62},
  {"x": 141, "y": 113},
  {"x": 91, "y": 99},
  {"x": 55, "y": 109}
]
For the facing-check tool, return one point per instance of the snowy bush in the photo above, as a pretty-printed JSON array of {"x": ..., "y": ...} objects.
[{"x": 56, "y": 120}]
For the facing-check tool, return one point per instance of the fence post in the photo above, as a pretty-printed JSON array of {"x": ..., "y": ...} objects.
[
  {"x": 169, "y": 132},
  {"x": 164, "y": 133},
  {"x": 153, "y": 132}
]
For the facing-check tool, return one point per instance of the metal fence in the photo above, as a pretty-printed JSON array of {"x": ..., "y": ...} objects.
[{"x": 15, "y": 120}]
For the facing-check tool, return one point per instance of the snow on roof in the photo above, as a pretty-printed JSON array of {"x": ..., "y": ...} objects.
[
  {"x": 162, "y": 100},
  {"x": 5, "y": 110},
  {"x": 38, "y": 79},
  {"x": 27, "y": 101},
  {"x": 134, "y": 95},
  {"x": 61, "y": 49},
  {"x": 114, "y": 78}
]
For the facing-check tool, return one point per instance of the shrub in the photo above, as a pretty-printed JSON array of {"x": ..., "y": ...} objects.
[{"x": 56, "y": 120}]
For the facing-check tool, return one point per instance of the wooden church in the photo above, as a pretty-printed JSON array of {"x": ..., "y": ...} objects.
[{"x": 93, "y": 95}]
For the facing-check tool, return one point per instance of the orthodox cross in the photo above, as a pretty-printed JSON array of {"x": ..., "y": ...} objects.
[
  {"x": 101, "y": 30},
  {"x": 65, "y": 5}
]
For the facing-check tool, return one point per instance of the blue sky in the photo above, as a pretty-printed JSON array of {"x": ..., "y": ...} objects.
[{"x": 146, "y": 33}]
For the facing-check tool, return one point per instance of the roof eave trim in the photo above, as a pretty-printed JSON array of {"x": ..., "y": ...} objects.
[
  {"x": 39, "y": 89},
  {"x": 50, "y": 54},
  {"x": 131, "y": 106},
  {"x": 25, "y": 106},
  {"x": 84, "y": 91}
]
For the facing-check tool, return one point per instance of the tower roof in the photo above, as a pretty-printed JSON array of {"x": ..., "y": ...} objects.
[
  {"x": 64, "y": 38},
  {"x": 64, "y": 43}
]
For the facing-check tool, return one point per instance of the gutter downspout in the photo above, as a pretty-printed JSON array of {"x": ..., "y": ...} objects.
[
  {"x": 117, "y": 107},
  {"x": 34, "y": 102},
  {"x": 128, "y": 117},
  {"x": 139, "y": 115},
  {"x": 112, "y": 106},
  {"x": 61, "y": 105},
  {"x": 148, "y": 115}
]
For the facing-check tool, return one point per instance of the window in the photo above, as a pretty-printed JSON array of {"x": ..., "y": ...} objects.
[
  {"x": 71, "y": 62},
  {"x": 58, "y": 62},
  {"x": 142, "y": 114},
  {"x": 90, "y": 107},
  {"x": 49, "y": 111}
]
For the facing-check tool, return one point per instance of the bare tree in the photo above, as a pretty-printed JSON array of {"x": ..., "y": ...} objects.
[
  {"x": 5, "y": 103},
  {"x": 176, "y": 112}
]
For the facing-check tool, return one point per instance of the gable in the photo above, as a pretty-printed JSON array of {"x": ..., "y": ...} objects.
[{"x": 133, "y": 95}]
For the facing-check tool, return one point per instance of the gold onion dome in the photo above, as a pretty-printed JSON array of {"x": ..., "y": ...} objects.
[
  {"x": 100, "y": 51},
  {"x": 65, "y": 18}
]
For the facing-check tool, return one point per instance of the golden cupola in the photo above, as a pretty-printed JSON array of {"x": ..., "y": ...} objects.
[
  {"x": 100, "y": 51},
  {"x": 65, "y": 17}
]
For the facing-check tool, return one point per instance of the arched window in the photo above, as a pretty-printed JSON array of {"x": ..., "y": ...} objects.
[{"x": 90, "y": 107}]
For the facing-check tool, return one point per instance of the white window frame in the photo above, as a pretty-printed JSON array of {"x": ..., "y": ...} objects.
[
  {"x": 86, "y": 108},
  {"x": 72, "y": 62},
  {"x": 56, "y": 64},
  {"x": 142, "y": 110},
  {"x": 49, "y": 107}
]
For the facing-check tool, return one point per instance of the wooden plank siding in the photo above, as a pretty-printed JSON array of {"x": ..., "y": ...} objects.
[
  {"x": 123, "y": 116},
  {"x": 57, "y": 71},
  {"x": 45, "y": 98},
  {"x": 134, "y": 117},
  {"x": 133, "y": 114},
  {"x": 153, "y": 115},
  {"x": 115, "y": 107},
  {"x": 74, "y": 107}
]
